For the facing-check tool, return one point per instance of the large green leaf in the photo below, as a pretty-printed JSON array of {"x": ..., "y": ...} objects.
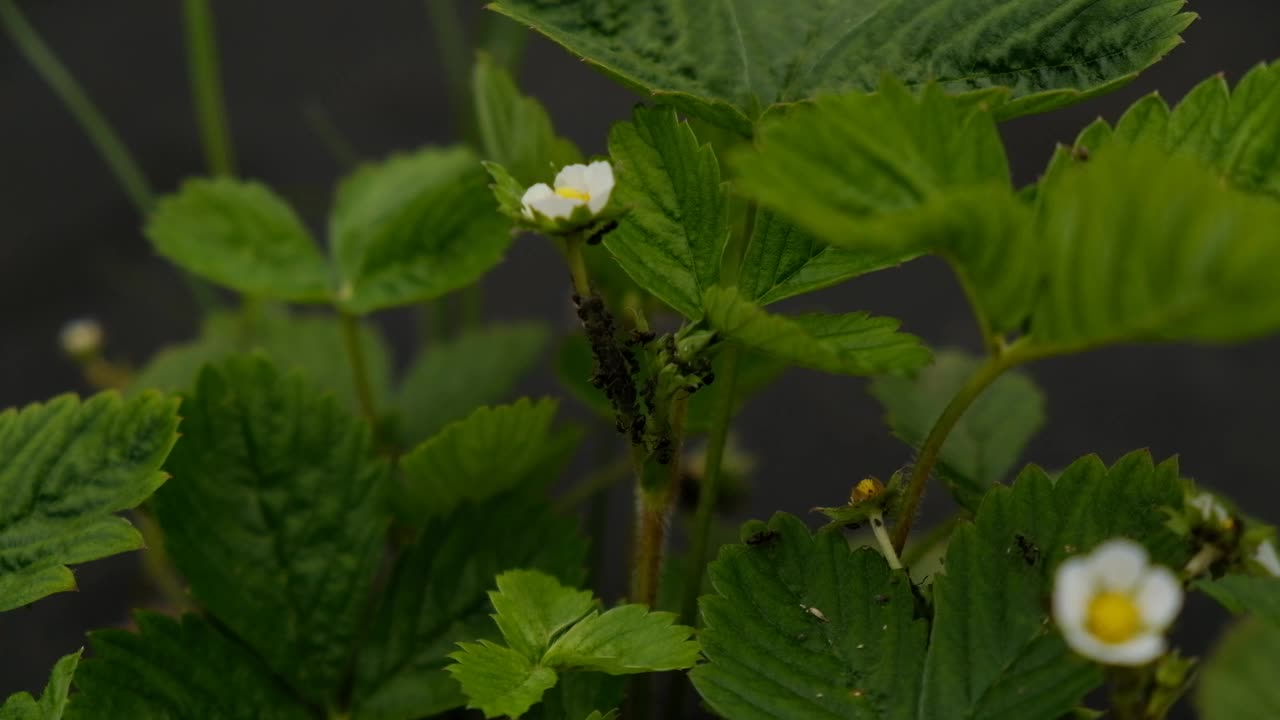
[
  {"x": 65, "y": 468},
  {"x": 801, "y": 627},
  {"x": 436, "y": 598},
  {"x": 52, "y": 702},
  {"x": 988, "y": 439},
  {"x": 241, "y": 235},
  {"x": 1239, "y": 680},
  {"x": 1236, "y": 133},
  {"x": 414, "y": 227},
  {"x": 448, "y": 381},
  {"x": 172, "y": 669},
  {"x": 674, "y": 233},
  {"x": 1136, "y": 245},
  {"x": 728, "y": 61},
  {"x": 491, "y": 451},
  {"x": 312, "y": 343},
  {"x": 546, "y": 631},
  {"x": 992, "y": 653},
  {"x": 276, "y": 521},
  {"x": 515, "y": 130},
  {"x": 782, "y": 260},
  {"x": 1244, "y": 594},
  {"x": 852, "y": 344}
]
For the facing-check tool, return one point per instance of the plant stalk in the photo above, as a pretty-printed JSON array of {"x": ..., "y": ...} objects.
[
  {"x": 359, "y": 369},
  {"x": 206, "y": 87},
  {"x": 932, "y": 447},
  {"x": 882, "y": 538}
]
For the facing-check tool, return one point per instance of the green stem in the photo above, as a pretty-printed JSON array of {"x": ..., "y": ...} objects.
[
  {"x": 330, "y": 137},
  {"x": 656, "y": 505},
  {"x": 882, "y": 538},
  {"x": 206, "y": 87},
  {"x": 73, "y": 96},
  {"x": 939, "y": 533},
  {"x": 932, "y": 447},
  {"x": 577, "y": 266},
  {"x": 452, "y": 41},
  {"x": 708, "y": 489},
  {"x": 359, "y": 369}
]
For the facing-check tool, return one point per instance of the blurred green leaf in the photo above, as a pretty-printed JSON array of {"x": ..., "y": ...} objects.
[
  {"x": 730, "y": 62},
  {"x": 515, "y": 130},
  {"x": 68, "y": 467},
  {"x": 276, "y": 524},
  {"x": 673, "y": 235},
  {"x": 852, "y": 344},
  {"x": 446, "y": 382},
  {"x": 174, "y": 668},
  {"x": 986, "y": 442},
  {"x": 243, "y": 236},
  {"x": 412, "y": 228},
  {"x": 52, "y": 702},
  {"x": 1242, "y": 594},
  {"x": 1238, "y": 680}
]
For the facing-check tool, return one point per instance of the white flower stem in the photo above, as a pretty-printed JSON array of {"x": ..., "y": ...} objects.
[{"x": 885, "y": 542}]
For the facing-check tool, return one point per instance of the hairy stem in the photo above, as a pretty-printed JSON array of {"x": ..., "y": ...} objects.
[
  {"x": 359, "y": 369},
  {"x": 655, "y": 506},
  {"x": 937, "y": 437},
  {"x": 206, "y": 87},
  {"x": 577, "y": 265}
]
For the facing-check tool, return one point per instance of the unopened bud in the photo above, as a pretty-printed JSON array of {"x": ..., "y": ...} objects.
[{"x": 81, "y": 338}]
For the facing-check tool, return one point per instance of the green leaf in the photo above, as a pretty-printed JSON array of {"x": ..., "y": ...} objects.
[
  {"x": 897, "y": 153},
  {"x": 312, "y": 343},
  {"x": 437, "y": 598},
  {"x": 532, "y": 607},
  {"x": 1239, "y": 680},
  {"x": 66, "y": 468},
  {"x": 499, "y": 681},
  {"x": 491, "y": 451},
  {"x": 852, "y": 344},
  {"x": 276, "y": 522},
  {"x": 577, "y": 696},
  {"x": 52, "y": 702},
  {"x": 801, "y": 627},
  {"x": 1138, "y": 246},
  {"x": 446, "y": 382},
  {"x": 625, "y": 640},
  {"x": 177, "y": 669},
  {"x": 414, "y": 227},
  {"x": 515, "y": 130},
  {"x": 1236, "y": 133},
  {"x": 671, "y": 240},
  {"x": 1245, "y": 594},
  {"x": 988, "y": 439},
  {"x": 241, "y": 235},
  {"x": 782, "y": 260},
  {"x": 992, "y": 653},
  {"x": 729, "y": 62}
]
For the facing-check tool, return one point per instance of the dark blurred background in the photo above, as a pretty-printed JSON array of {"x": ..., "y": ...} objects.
[{"x": 71, "y": 246}]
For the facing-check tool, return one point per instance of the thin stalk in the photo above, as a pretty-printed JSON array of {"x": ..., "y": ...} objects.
[
  {"x": 577, "y": 266},
  {"x": 655, "y": 506},
  {"x": 882, "y": 539},
  {"x": 359, "y": 369},
  {"x": 330, "y": 137},
  {"x": 937, "y": 437},
  {"x": 206, "y": 87},
  {"x": 455, "y": 58},
  {"x": 109, "y": 145},
  {"x": 596, "y": 483},
  {"x": 721, "y": 420},
  {"x": 91, "y": 120}
]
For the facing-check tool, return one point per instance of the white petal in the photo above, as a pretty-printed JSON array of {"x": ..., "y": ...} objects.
[
  {"x": 555, "y": 207},
  {"x": 1072, "y": 592},
  {"x": 1119, "y": 564},
  {"x": 1209, "y": 507},
  {"x": 1138, "y": 651},
  {"x": 535, "y": 193},
  {"x": 1266, "y": 557},
  {"x": 599, "y": 177},
  {"x": 572, "y": 176},
  {"x": 1159, "y": 598}
]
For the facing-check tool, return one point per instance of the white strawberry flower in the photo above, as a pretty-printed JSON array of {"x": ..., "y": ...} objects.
[
  {"x": 1266, "y": 556},
  {"x": 1113, "y": 605},
  {"x": 81, "y": 337},
  {"x": 575, "y": 186},
  {"x": 1212, "y": 510}
]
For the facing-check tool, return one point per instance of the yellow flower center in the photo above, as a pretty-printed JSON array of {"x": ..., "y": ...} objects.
[
  {"x": 1113, "y": 617},
  {"x": 574, "y": 194},
  {"x": 866, "y": 489}
]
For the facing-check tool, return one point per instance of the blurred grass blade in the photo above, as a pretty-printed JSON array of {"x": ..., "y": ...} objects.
[{"x": 206, "y": 87}]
